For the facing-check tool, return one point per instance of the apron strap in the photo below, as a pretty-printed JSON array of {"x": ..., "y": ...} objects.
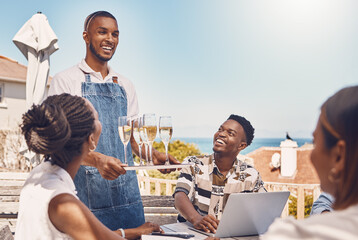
[{"x": 88, "y": 77}]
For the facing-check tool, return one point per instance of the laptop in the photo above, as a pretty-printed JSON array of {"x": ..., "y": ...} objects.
[{"x": 248, "y": 214}]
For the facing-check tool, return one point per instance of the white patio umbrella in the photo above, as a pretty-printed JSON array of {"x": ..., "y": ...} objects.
[{"x": 37, "y": 41}]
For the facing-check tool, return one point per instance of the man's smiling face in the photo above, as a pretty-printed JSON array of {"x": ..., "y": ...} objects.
[
  {"x": 102, "y": 37},
  {"x": 230, "y": 138}
]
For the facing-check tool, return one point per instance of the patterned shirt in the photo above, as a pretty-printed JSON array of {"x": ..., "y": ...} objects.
[{"x": 209, "y": 190}]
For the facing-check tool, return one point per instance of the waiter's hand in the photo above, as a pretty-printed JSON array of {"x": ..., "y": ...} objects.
[
  {"x": 206, "y": 223},
  {"x": 159, "y": 159},
  {"x": 109, "y": 167}
]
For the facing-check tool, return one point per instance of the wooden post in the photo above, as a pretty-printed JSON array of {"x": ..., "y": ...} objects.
[
  {"x": 269, "y": 188},
  {"x": 157, "y": 188},
  {"x": 147, "y": 186},
  {"x": 300, "y": 203},
  {"x": 316, "y": 192},
  {"x": 168, "y": 189},
  {"x": 285, "y": 211}
]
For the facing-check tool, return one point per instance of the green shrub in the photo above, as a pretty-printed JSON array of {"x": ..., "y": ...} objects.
[
  {"x": 292, "y": 206},
  {"x": 177, "y": 149}
]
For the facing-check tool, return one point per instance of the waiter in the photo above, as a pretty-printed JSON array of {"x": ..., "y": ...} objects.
[{"x": 104, "y": 186}]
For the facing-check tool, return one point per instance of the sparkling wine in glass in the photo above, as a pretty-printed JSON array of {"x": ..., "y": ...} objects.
[
  {"x": 150, "y": 128},
  {"x": 137, "y": 125},
  {"x": 165, "y": 133},
  {"x": 125, "y": 131},
  {"x": 143, "y": 136}
]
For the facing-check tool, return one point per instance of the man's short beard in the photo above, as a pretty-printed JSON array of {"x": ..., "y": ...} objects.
[{"x": 97, "y": 55}]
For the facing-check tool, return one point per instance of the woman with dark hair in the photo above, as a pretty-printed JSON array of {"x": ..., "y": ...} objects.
[
  {"x": 335, "y": 158},
  {"x": 64, "y": 128}
]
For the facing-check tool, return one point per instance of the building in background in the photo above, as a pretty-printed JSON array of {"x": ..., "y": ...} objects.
[
  {"x": 12, "y": 106},
  {"x": 12, "y": 92},
  {"x": 289, "y": 168},
  {"x": 304, "y": 172}
]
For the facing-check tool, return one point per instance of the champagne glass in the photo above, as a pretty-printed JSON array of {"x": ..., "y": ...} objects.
[
  {"x": 143, "y": 136},
  {"x": 165, "y": 133},
  {"x": 150, "y": 127},
  {"x": 125, "y": 131},
  {"x": 137, "y": 138}
]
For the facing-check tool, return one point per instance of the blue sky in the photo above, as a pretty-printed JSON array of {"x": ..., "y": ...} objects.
[{"x": 272, "y": 61}]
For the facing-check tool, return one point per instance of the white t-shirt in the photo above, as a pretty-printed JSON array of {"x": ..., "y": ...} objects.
[
  {"x": 326, "y": 226},
  {"x": 70, "y": 80},
  {"x": 45, "y": 182}
]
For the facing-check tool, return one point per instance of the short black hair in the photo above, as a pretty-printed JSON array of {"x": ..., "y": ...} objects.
[
  {"x": 92, "y": 16},
  {"x": 246, "y": 125}
]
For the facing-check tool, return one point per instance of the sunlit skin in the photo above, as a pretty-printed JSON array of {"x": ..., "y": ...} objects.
[
  {"x": 228, "y": 141},
  {"x": 101, "y": 37}
]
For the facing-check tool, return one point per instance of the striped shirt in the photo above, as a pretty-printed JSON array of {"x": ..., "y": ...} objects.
[{"x": 209, "y": 190}]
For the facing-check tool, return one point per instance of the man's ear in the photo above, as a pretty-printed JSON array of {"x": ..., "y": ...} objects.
[
  {"x": 242, "y": 146},
  {"x": 85, "y": 36}
]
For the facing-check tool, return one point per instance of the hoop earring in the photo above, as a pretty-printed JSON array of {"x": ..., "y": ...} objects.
[
  {"x": 333, "y": 175},
  {"x": 91, "y": 150}
]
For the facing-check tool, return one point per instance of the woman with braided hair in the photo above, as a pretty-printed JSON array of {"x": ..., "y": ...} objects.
[
  {"x": 335, "y": 158},
  {"x": 64, "y": 128}
]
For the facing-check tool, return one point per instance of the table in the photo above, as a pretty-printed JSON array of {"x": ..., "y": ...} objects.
[
  {"x": 184, "y": 227},
  {"x": 148, "y": 167}
]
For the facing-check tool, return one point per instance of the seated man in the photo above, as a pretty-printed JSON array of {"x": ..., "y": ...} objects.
[{"x": 202, "y": 190}]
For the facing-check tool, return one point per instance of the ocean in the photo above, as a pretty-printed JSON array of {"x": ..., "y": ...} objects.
[{"x": 206, "y": 144}]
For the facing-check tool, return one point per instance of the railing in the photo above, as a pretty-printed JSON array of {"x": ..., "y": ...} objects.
[
  {"x": 298, "y": 191},
  {"x": 146, "y": 183},
  {"x": 156, "y": 186}
]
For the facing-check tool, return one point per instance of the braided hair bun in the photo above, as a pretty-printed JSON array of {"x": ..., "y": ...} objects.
[
  {"x": 58, "y": 127},
  {"x": 45, "y": 128}
]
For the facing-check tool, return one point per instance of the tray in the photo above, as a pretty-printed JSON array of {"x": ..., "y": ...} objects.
[{"x": 145, "y": 167}]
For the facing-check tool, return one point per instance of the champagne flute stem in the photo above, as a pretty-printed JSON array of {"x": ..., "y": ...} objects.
[
  {"x": 125, "y": 153},
  {"x": 146, "y": 153},
  {"x": 166, "y": 154},
  {"x": 140, "y": 155},
  {"x": 150, "y": 153}
]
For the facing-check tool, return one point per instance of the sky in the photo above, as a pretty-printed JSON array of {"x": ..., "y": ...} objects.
[{"x": 274, "y": 61}]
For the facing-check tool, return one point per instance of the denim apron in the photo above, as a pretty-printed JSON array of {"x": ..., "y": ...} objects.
[{"x": 117, "y": 203}]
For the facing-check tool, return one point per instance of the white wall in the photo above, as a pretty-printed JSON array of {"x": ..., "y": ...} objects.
[
  {"x": 288, "y": 158},
  {"x": 15, "y": 104}
]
